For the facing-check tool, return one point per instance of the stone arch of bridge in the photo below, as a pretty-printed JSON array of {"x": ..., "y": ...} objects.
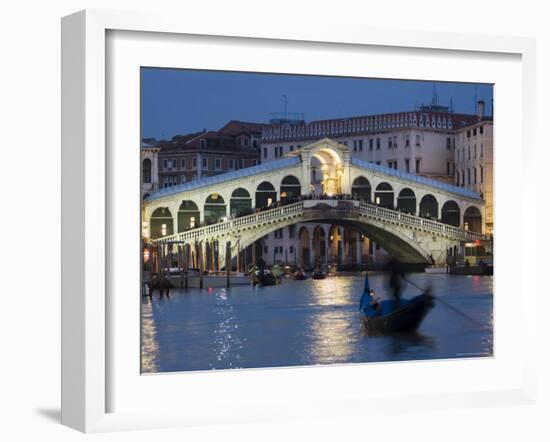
[{"x": 397, "y": 242}]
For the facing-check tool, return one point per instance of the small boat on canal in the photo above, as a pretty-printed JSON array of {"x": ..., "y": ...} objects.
[
  {"x": 261, "y": 276},
  {"x": 384, "y": 317},
  {"x": 319, "y": 274},
  {"x": 299, "y": 275}
]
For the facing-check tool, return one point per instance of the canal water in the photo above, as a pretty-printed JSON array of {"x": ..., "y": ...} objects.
[{"x": 308, "y": 323}]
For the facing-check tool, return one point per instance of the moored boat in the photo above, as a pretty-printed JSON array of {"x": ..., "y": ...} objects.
[
  {"x": 299, "y": 275},
  {"x": 319, "y": 274}
]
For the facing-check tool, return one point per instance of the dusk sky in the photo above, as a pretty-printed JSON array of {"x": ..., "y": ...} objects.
[{"x": 179, "y": 101}]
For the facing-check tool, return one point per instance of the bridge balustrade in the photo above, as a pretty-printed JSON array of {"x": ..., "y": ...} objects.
[{"x": 298, "y": 208}]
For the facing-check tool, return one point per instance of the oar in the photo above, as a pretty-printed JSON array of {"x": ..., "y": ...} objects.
[{"x": 446, "y": 304}]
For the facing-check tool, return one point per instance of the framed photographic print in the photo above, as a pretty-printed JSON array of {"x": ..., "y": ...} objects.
[{"x": 249, "y": 215}]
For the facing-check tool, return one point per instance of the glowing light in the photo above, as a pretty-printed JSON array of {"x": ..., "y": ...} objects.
[{"x": 163, "y": 230}]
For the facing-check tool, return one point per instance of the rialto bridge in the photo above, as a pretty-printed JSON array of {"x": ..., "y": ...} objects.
[{"x": 413, "y": 218}]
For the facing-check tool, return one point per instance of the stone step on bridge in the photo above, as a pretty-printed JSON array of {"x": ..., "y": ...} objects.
[{"x": 408, "y": 237}]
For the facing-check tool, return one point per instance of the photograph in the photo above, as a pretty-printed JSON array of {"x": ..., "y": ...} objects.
[{"x": 303, "y": 220}]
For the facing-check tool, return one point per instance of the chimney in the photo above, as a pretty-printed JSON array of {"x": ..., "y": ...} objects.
[{"x": 480, "y": 109}]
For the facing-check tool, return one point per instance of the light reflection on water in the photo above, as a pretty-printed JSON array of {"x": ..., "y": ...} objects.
[{"x": 306, "y": 323}]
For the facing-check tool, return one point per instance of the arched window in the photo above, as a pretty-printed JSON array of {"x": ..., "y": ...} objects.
[
  {"x": 214, "y": 209},
  {"x": 162, "y": 223},
  {"x": 188, "y": 216},
  {"x": 265, "y": 195},
  {"x": 428, "y": 207},
  {"x": 241, "y": 202},
  {"x": 290, "y": 188},
  {"x": 472, "y": 219},
  {"x": 361, "y": 190},
  {"x": 384, "y": 195},
  {"x": 146, "y": 172},
  {"x": 406, "y": 201},
  {"x": 450, "y": 213}
]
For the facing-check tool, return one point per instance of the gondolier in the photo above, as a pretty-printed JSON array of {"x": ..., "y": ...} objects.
[{"x": 384, "y": 317}]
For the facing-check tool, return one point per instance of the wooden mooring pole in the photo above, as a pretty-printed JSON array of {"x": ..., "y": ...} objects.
[{"x": 228, "y": 263}]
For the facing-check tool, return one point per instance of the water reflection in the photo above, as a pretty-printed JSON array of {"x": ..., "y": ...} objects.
[
  {"x": 149, "y": 345},
  {"x": 306, "y": 323},
  {"x": 227, "y": 344},
  {"x": 332, "y": 334}
]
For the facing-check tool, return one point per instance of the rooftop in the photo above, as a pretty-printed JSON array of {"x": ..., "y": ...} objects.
[
  {"x": 224, "y": 177},
  {"x": 416, "y": 178}
]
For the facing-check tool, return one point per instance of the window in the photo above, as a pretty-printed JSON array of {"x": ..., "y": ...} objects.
[
  {"x": 203, "y": 144},
  {"x": 377, "y": 143},
  {"x": 389, "y": 142},
  {"x": 231, "y": 164},
  {"x": 218, "y": 163},
  {"x": 291, "y": 148},
  {"x": 469, "y": 176},
  {"x": 265, "y": 249},
  {"x": 146, "y": 170},
  {"x": 417, "y": 165},
  {"x": 355, "y": 145},
  {"x": 256, "y": 162},
  {"x": 371, "y": 143},
  {"x": 481, "y": 151},
  {"x": 407, "y": 141},
  {"x": 475, "y": 132},
  {"x": 448, "y": 167},
  {"x": 194, "y": 177},
  {"x": 394, "y": 145},
  {"x": 205, "y": 163},
  {"x": 457, "y": 178},
  {"x": 278, "y": 234},
  {"x": 475, "y": 175},
  {"x": 241, "y": 163},
  {"x": 246, "y": 141},
  {"x": 480, "y": 130},
  {"x": 481, "y": 174},
  {"x": 392, "y": 164},
  {"x": 291, "y": 250},
  {"x": 194, "y": 162},
  {"x": 463, "y": 179},
  {"x": 378, "y": 163},
  {"x": 469, "y": 153},
  {"x": 182, "y": 163},
  {"x": 407, "y": 165},
  {"x": 276, "y": 152},
  {"x": 183, "y": 179},
  {"x": 468, "y": 134},
  {"x": 448, "y": 143},
  {"x": 418, "y": 140},
  {"x": 265, "y": 152},
  {"x": 475, "y": 151},
  {"x": 360, "y": 145},
  {"x": 280, "y": 151}
]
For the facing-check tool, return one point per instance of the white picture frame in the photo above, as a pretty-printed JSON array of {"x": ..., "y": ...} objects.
[{"x": 86, "y": 317}]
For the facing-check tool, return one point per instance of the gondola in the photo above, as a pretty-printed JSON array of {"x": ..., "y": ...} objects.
[
  {"x": 299, "y": 275},
  {"x": 318, "y": 274},
  {"x": 381, "y": 317},
  {"x": 262, "y": 277}
]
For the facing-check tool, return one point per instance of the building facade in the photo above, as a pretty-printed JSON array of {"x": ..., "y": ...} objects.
[
  {"x": 149, "y": 168},
  {"x": 474, "y": 160},
  {"x": 194, "y": 156}
]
